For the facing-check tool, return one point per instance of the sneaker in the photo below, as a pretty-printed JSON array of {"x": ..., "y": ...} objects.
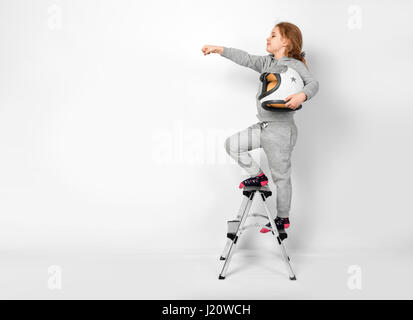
[
  {"x": 280, "y": 223},
  {"x": 257, "y": 181}
]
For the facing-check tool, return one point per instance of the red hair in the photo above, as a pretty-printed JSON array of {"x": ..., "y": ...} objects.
[{"x": 293, "y": 33}]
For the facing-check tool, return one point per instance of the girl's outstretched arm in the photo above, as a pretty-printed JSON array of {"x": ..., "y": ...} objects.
[
  {"x": 245, "y": 59},
  {"x": 240, "y": 57}
]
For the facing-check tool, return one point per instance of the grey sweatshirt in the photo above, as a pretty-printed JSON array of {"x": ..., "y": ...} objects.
[{"x": 268, "y": 63}]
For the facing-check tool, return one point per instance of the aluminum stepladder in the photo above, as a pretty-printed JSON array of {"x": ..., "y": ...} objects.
[{"x": 236, "y": 228}]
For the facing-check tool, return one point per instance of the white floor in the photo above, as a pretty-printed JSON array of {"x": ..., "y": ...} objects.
[{"x": 122, "y": 274}]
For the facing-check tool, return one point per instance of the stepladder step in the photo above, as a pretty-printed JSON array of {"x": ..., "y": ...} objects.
[{"x": 232, "y": 228}]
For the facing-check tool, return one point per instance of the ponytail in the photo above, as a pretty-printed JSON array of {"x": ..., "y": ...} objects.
[{"x": 300, "y": 56}]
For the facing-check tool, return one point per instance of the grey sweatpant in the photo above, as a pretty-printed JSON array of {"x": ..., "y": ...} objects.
[{"x": 278, "y": 139}]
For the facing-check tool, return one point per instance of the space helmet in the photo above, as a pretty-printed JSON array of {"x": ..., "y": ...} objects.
[{"x": 276, "y": 86}]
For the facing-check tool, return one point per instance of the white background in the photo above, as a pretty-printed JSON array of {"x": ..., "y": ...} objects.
[{"x": 113, "y": 122}]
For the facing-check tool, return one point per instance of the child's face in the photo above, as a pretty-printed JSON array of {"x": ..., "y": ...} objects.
[{"x": 275, "y": 42}]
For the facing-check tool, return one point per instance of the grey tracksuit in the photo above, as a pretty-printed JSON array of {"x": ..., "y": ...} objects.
[
  {"x": 268, "y": 63},
  {"x": 276, "y": 132}
]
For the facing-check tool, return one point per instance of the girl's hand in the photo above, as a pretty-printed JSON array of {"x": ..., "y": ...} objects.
[
  {"x": 207, "y": 49},
  {"x": 295, "y": 100}
]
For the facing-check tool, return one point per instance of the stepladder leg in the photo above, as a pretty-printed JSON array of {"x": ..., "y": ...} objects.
[
  {"x": 226, "y": 249},
  {"x": 231, "y": 243},
  {"x": 241, "y": 211},
  {"x": 276, "y": 234}
]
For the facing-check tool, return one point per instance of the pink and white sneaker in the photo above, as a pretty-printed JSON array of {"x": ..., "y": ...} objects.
[
  {"x": 257, "y": 181},
  {"x": 280, "y": 223}
]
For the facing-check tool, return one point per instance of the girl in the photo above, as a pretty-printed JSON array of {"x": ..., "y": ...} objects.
[{"x": 276, "y": 132}]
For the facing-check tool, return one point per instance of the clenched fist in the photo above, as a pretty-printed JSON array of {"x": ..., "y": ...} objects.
[{"x": 207, "y": 49}]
